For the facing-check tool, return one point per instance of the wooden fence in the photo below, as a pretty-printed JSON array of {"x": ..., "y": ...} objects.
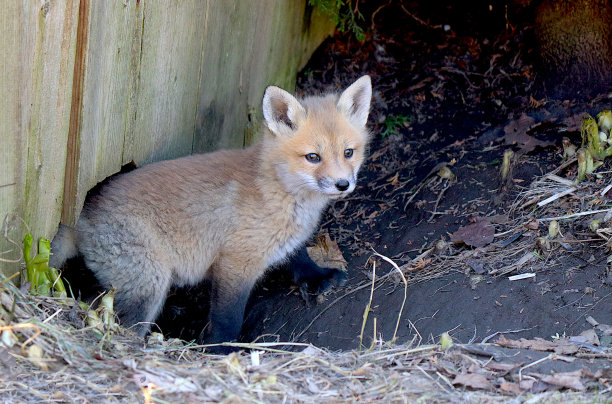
[{"x": 89, "y": 85}]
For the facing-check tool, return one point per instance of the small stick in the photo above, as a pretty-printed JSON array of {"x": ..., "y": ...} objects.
[
  {"x": 416, "y": 259},
  {"x": 374, "y": 339},
  {"x": 446, "y": 186},
  {"x": 367, "y": 308},
  {"x": 589, "y": 212},
  {"x": 414, "y": 194},
  {"x": 399, "y": 316},
  {"x": 555, "y": 197},
  {"x": 544, "y": 359},
  {"x": 560, "y": 180},
  {"x": 417, "y": 19},
  {"x": 417, "y": 332},
  {"x": 9, "y": 278},
  {"x": 53, "y": 315},
  {"x": 422, "y": 183},
  {"x": 441, "y": 376},
  {"x": 521, "y": 276},
  {"x": 564, "y": 165},
  {"x": 484, "y": 341},
  {"x": 434, "y": 380},
  {"x": 377, "y": 11}
]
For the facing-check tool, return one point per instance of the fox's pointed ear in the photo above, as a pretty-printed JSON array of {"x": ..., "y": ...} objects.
[
  {"x": 282, "y": 112},
  {"x": 354, "y": 102}
]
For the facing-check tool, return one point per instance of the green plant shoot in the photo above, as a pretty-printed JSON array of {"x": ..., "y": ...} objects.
[
  {"x": 41, "y": 277},
  {"x": 393, "y": 123},
  {"x": 595, "y": 141}
]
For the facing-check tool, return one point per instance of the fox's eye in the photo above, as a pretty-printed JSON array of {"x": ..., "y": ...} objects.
[
  {"x": 313, "y": 157},
  {"x": 348, "y": 153}
]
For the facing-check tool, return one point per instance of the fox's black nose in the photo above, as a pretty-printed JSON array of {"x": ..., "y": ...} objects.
[{"x": 342, "y": 185}]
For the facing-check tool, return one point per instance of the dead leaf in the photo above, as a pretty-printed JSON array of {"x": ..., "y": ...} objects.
[
  {"x": 533, "y": 224},
  {"x": 502, "y": 367},
  {"x": 526, "y": 384},
  {"x": 569, "y": 380},
  {"x": 522, "y": 124},
  {"x": 36, "y": 356},
  {"x": 326, "y": 253},
  {"x": 533, "y": 103},
  {"x": 474, "y": 380},
  {"x": 478, "y": 234},
  {"x": 497, "y": 219},
  {"x": 394, "y": 180},
  {"x": 363, "y": 370},
  {"x": 510, "y": 387},
  {"x": 605, "y": 328},
  {"x": 477, "y": 266},
  {"x": 516, "y": 133},
  {"x": 588, "y": 337}
]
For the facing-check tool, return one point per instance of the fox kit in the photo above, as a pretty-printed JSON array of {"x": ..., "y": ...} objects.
[{"x": 226, "y": 215}]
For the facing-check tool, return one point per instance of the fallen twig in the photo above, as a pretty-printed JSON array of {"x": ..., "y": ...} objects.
[
  {"x": 574, "y": 215},
  {"x": 556, "y": 196},
  {"x": 488, "y": 337}
]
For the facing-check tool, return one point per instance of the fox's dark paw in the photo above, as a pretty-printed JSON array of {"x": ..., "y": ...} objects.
[
  {"x": 335, "y": 278},
  {"x": 324, "y": 281},
  {"x": 313, "y": 278}
]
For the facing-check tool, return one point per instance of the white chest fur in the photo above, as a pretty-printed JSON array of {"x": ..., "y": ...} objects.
[{"x": 306, "y": 215}]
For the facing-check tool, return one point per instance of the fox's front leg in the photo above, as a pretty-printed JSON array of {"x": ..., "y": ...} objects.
[
  {"x": 229, "y": 295},
  {"x": 307, "y": 274}
]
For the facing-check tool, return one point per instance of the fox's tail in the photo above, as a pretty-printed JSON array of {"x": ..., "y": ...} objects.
[{"x": 63, "y": 247}]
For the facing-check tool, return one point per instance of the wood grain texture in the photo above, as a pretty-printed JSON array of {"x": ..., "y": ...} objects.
[
  {"x": 168, "y": 82},
  {"x": 263, "y": 43},
  {"x": 38, "y": 49},
  {"x": 104, "y": 109}
]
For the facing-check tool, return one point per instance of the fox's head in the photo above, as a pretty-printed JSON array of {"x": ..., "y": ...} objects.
[{"x": 317, "y": 144}]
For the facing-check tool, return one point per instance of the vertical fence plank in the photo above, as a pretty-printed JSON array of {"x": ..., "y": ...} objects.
[
  {"x": 12, "y": 97},
  {"x": 169, "y": 76},
  {"x": 37, "y": 63},
  {"x": 109, "y": 57}
]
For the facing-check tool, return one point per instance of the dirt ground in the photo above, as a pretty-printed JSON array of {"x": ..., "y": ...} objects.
[{"x": 440, "y": 97}]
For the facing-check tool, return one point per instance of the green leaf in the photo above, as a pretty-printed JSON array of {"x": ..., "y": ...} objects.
[
  {"x": 42, "y": 278},
  {"x": 393, "y": 123}
]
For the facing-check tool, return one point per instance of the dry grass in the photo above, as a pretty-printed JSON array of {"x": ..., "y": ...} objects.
[
  {"x": 78, "y": 364},
  {"x": 47, "y": 354}
]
